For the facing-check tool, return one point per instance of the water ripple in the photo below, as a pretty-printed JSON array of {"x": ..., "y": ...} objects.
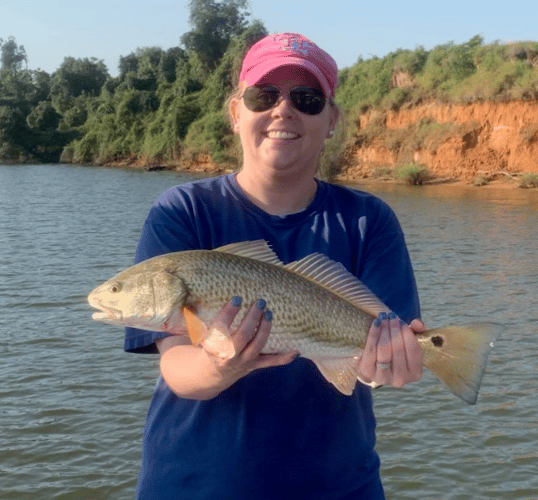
[{"x": 73, "y": 404}]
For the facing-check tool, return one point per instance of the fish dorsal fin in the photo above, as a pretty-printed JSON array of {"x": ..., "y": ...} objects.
[
  {"x": 335, "y": 277},
  {"x": 258, "y": 250}
]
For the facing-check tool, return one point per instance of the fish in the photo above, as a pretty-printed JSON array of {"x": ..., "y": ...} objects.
[{"x": 319, "y": 309}]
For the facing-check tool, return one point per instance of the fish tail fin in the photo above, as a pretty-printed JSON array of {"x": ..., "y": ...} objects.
[{"x": 457, "y": 355}]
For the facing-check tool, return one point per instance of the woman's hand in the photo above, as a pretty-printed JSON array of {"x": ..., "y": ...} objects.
[
  {"x": 248, "y": 340},
  {"x": 392, "y": 355},
  {"x": 196, "y": 372}
]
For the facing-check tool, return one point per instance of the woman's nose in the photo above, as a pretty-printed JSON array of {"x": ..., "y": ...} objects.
[{"x": 283, "y": 106}]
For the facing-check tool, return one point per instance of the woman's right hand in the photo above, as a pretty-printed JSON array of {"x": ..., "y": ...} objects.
[{"x": 197, "y": 373}]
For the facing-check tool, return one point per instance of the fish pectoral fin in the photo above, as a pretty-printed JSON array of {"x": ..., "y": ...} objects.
[
  {"x": 219, "y": 341},
  {"x": 195, "y": 326},
  {"x": 341, "y": 372}
]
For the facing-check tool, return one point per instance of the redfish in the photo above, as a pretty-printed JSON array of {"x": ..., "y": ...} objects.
[{"x": 319, "y": 309}]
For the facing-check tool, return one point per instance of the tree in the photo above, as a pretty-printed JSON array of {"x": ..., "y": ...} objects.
[
  {"x": 147, "y": 67},
  {"x": 12, "y": 55},
  {"x": 44, "y": 117},
  {"x": 75, "y": 77},
  {"x": 128, "y": 64},
  {"x": 214, "y": 25},
  {"x": 168, "y": 63}
]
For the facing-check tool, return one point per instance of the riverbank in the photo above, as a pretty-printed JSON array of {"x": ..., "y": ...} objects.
[
  {"x": 482, "y": 143},
  {"x": 349, "y": 176}
]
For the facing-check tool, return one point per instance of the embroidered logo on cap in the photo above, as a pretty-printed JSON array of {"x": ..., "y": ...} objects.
[{"x": 295, "y": 44}]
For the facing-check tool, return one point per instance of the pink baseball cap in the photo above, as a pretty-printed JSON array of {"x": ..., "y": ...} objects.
[{"x": 289, "y": 49}]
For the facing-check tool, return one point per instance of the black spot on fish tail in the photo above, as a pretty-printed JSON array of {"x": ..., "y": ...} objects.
[{"x": 438, "y": 341}]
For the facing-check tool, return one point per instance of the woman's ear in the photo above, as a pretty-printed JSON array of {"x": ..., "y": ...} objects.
[
  {"x": 233, "y": 110},
  {"x": 335, "y": 114}
]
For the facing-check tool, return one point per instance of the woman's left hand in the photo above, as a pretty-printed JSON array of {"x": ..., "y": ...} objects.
[{"x": 392, "y": 355}]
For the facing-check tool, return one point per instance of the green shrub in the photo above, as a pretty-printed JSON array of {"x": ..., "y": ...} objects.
[
  {"x": 410, "y": 61},
  {"x": 480, "y": 181},
  {"x": 414, "y": 174},
  {"x": 86, "y": 149},
  {"x": 528, "y": 181},
  {"x": 212, "y": 135},
  {"x": 396, "y": 98}
]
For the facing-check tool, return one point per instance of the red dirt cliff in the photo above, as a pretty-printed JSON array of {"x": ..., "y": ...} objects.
[{"x": 477, "y": 138}]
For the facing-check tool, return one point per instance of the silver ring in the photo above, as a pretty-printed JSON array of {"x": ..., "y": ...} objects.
[{"x": 383, "y": 366}]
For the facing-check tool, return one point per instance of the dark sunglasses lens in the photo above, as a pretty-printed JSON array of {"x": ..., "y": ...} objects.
[
  {"x": 308, "y": 100},
  {"x": 260, "y": 99}
]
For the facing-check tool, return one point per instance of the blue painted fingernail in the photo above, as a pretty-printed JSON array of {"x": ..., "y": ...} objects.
[
  {"x": 377, "y": 322},
  {"x": 392, "y": 315},
  {"x": 261, "y": 304},
  {"x": 236, "y": 301},
  {"x": 268, "y": 315},
  {"x": 382, "y": 316}
]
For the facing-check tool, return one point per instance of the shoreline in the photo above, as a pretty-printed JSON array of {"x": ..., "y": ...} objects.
[{"x": 207, "y": 167}]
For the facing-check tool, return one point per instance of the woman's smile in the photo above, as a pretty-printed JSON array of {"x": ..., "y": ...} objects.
[{"x": 282, "y": 134}]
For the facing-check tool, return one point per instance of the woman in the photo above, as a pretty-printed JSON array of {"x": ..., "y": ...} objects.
[{"x": 268, "y": 426}]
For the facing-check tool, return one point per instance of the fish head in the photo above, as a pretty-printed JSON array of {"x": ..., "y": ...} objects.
[{"x": 142, "y": 296}]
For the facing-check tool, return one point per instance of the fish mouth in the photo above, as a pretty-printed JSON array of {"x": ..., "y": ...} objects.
[{"x": 106, "y": 313}]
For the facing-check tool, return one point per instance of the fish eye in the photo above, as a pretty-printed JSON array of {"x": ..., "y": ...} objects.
[{"x": 116, "y": 287}]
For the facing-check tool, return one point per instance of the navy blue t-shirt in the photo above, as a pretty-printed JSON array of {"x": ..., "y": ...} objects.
[{"x": 281, "y": 432}]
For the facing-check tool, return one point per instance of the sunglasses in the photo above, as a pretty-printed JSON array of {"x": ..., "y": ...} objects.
[{"x": 305, "y": 99}]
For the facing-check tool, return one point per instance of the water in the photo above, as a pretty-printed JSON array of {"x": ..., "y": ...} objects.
[
  {"x": 475, "y": 258},
  {"x": 73, "y": 405}
]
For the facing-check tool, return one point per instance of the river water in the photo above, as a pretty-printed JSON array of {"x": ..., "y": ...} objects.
[{"x": 73, "y": 404}]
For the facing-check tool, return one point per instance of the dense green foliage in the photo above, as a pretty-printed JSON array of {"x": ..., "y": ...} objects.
[
  {"x": 29, "y": 123},
  {"x": 468, "y": 72},
  {"x": 168, "y": 105}
]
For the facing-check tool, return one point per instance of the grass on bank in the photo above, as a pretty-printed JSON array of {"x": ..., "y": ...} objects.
[
  {"x": 413, "y": 175},
  {"x": 528, "y": 181}
]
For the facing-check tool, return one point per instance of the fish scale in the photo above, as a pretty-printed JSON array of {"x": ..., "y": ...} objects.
[{"x": 285, "y": 293}]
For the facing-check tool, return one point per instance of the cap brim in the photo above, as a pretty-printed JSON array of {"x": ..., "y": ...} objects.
[{"x": 261, "y": 70}]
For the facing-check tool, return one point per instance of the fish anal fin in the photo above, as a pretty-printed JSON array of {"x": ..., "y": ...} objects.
[
  {"x": 340, "y": 372},
  {"x": 195, "y": 326}
]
